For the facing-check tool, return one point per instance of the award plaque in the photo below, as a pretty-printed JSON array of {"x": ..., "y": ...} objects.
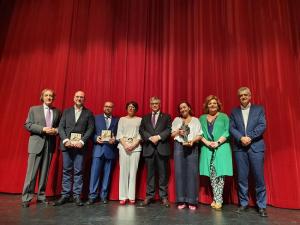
[
  {"x": 186, "y": 130},
  {"x": 75, "y": 137},
  {"x": 106, "y": 135}
]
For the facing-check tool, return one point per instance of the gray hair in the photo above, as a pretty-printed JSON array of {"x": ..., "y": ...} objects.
[{"x": 241, "y": 89}]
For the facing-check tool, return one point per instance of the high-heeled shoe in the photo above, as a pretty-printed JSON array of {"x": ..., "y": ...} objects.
[
  {"x": 218, "y": 206},
  {"x": 123, "y": 202},
  {"x": 192, "y": 207},
  {"x": 181, "y": 206},
  {"x": 213, "y": 204},
  {"x": 131, "y": 202}
]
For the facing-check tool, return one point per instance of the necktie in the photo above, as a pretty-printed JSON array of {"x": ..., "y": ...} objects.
[
  {"x": 48, "y": 118},
  {"x": 153, "y": 119}
]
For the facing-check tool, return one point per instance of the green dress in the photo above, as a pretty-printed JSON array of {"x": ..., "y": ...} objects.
[{"x": 223, "y": 158}]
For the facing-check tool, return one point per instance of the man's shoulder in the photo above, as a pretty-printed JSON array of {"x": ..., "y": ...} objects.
[
  {"x": 235, "y": 110},
  {"x": 257, "y": 106},
  {"x": 36, "y": 107},
  {"x": 165, "y": 115},
  {"x": 99, "y": 116}
]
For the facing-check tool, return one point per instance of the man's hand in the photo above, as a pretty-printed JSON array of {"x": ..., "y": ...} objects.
[
  {"x": 50, "y": 130},
  {"x": 78, "y": 144},
  {"x": 99, "y": 140},
  {"x": 112, "y": 140},
  {"x": 245, "y": 141},
  {"x": 154, "y": 139},
  {"x": 68, "y": 144}
]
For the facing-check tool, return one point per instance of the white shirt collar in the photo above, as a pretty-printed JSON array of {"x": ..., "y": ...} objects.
[{"x": 247, "y": 107}]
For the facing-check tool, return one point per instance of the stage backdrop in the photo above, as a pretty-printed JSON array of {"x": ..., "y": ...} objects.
[{"x": 130, "y": 50}]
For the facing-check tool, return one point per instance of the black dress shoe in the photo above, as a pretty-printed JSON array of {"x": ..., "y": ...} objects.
[
  {"x": 262, "y": 212},
  {"x": 44, "y": 201},
  {"x": 241, "y": 209},
  {"x": 61, "y": 201},
  {"x": 25, "y": 204},
  {"x": 91, "y": 201},
  {"x": 105, "y": 201},
  {"x": 165, "y": 202},
  {"x": 146, "y": 202},
  {"x": 78, "y": 202}
]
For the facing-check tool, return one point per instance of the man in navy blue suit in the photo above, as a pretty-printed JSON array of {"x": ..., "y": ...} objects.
[
  {"x": 104, "y": 153},
  {"x": 247, "y": 125},
  {"x": 75, "y": 129}
]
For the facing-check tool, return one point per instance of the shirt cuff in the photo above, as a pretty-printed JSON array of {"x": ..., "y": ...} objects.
[{"x": 66, "y": 140}]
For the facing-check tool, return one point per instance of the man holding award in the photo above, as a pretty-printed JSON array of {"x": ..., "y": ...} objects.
[
  {"x": 75, "y": 128},
  {"x": 104, "y": 153}
]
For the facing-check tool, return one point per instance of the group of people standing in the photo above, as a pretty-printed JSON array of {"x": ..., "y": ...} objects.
[{"x": 132, "y": 136}]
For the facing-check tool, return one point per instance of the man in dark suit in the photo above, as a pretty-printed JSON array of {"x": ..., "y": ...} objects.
[
  {"x": 75, "y": 128},
  {"x": 247, "y": 125},
  {"x": 104, "y": 153},
  {"x": 155, "y": 130},
  {"x": 42, "y": 123}
]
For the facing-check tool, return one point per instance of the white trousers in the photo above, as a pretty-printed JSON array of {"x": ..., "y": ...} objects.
[{"x": 128, "y": 168}]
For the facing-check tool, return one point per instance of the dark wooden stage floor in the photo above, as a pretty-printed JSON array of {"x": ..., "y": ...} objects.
[{"x": 11, "y": 213}]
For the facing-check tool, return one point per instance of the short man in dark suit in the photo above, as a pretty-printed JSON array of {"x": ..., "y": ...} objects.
[
  {"x": 75, "y": 128},
  {"x": 247, "y": 125},
  {"x": 104, "y": 153},
  {"x": 155, "y": 130},
  {"x": 42, "y": 123}
]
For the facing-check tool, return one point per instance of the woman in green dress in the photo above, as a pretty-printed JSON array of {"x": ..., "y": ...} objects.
[{"x": 215, "y": 156}]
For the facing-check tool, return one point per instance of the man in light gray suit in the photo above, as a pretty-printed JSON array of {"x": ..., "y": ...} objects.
[{"x": 42, "y": 123}]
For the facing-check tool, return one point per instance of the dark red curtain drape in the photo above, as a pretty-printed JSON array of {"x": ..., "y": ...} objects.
[{"x": 130, "y": 50}]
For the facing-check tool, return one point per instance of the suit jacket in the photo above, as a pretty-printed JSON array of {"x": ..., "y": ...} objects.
[
  {"x": 162, "y": 128},
  {"x": 255, "y": 128},
  {"x": 107, "y": 149},
  {"x": 84, "y": 125},
  {"x": 35, "y": 123}
]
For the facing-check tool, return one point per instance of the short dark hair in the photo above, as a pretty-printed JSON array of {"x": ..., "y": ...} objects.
[{"x": 136, "y": 106}]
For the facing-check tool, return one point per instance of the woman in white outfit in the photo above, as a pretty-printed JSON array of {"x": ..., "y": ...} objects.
[{"x": 129, "y": 152}]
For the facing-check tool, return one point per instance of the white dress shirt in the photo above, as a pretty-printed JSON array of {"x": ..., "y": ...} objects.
[{"x": 245, "y": 113}]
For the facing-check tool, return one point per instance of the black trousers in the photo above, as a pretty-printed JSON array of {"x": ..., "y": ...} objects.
[{"x": 157, "y": 164}]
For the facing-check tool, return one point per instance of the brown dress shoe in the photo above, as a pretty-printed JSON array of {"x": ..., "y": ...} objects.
[{"x": 165, "y": 202}]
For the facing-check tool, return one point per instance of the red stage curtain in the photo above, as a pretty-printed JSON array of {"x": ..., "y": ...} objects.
[{"x": 130, "y": 50}]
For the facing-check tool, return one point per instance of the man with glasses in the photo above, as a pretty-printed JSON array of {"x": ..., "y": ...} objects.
[
  {"x": 155, "y": 131},
  {"x": 104, "y": 153}
]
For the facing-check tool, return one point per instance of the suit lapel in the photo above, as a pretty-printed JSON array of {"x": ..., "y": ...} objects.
[
  {"x": 251, "y": 111},
  {"x": 160, "y": 117},
  {"x": 41, "y": 112},
  {"x": 240, "y": 115}
]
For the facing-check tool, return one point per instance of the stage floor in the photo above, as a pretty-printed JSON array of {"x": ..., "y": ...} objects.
[{"x": 12, "y": 213}]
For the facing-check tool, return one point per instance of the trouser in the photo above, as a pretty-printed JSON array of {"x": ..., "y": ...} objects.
[
  {"x": 128, "y": 168},
  {"x": 37, "y": 163}
]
